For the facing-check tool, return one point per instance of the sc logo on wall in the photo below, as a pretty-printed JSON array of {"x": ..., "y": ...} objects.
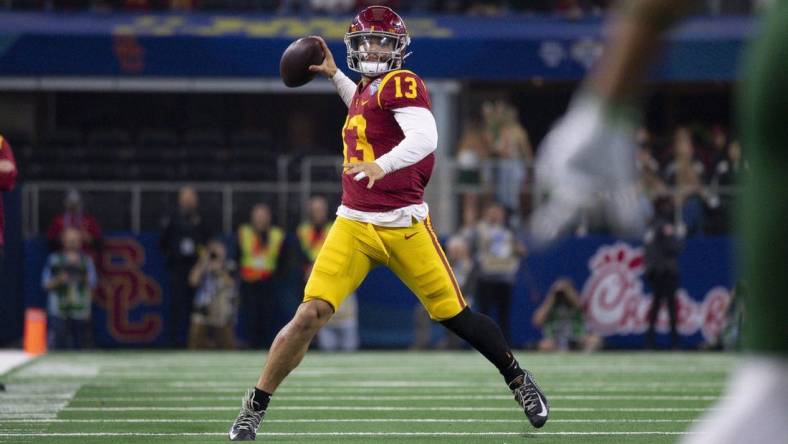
[{"x": 125, "y": 291}]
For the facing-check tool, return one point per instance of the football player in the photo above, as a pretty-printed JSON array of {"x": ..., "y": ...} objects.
[
  {"x": 587, "y": 161},
  {"x": 388, "y": 139}
]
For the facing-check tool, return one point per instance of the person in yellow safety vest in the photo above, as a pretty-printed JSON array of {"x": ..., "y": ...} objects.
[
  {"x": 259, "y": 250},
  {"x": 312, "y": 232},
  {"x": 341, "y": 331}
]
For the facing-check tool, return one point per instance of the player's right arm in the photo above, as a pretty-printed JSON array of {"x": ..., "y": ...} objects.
[{"x": 345, "y": 87}]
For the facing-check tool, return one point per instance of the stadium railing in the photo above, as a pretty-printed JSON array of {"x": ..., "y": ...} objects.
[{"x": 140, "y": 206}]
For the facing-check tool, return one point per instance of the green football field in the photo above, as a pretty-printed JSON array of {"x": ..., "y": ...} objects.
[{"x": 368, "y": 397}]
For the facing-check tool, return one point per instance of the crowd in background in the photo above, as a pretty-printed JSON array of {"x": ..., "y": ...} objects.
[
  {"x": 218, "y": 290},
  {"x": 573, "y": 9},
  {"x": 691, "y": 171},
  {"x": 698, "y": 165},
  {"x": 214, "y": 283}
]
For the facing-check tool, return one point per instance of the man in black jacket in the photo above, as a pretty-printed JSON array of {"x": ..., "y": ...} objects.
[
  {"x": 182, "y": 237},
  {"x": 663, "y": 242}
]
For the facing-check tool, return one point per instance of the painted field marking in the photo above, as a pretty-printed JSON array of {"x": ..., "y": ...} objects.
[
  {"x": 238, "y": 392},
  {"x": 397, "y": 384},
  {"x": 394, "y": 369},
  {"x": 317, "y": 434},
  {"x": 398, "y": 398},
  {"x": 360, "y": 420},
  {"x": 382, "y": 409},
  {"x": 12, "y": 406},
  {"x": 88, "y": 391},
  {"x": 10, "y": 359}
]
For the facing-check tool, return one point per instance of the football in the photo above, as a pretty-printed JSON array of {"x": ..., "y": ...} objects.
[{"x": 295, "y": 62}]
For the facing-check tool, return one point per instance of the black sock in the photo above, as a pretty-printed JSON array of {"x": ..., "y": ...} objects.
[
  {"x": 485, "y": 336},
  {"x": 262, "y": 399},
  {"x": 513, "y": 375}
]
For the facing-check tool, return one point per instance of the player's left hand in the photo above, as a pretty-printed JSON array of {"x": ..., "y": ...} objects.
[{"x": 365, "y": 169}]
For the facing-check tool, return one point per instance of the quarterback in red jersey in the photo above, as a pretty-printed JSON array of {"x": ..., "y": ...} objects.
[{"x": 388, "y": 139}]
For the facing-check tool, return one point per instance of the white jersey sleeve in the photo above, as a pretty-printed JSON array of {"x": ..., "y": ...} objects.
[
  {"x": 421, "y": 138},
  {"x": 345, "y": 87}
]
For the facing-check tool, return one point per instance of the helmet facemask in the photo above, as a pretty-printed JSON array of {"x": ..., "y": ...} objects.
[{"x": 373, "y": 53}]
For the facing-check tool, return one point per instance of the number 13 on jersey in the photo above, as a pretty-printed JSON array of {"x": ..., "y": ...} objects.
[
  {"x": 355, "y": 146},
  {"x": 410, "y": 91}
]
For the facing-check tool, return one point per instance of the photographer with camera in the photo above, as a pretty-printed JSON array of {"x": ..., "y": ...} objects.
[
  {"x": 69, "y": 277},
  {"x": 664, "y": 242},
  {"x": 561, "y": 319},
  {"x": 216, "y": 299}
]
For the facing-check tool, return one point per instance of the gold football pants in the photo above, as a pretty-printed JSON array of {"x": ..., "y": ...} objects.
[{"x": 414, "y": 254}]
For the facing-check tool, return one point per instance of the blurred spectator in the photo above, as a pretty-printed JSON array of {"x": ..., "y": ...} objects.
[
  {"x": 8, "y": 174},
  {"x": 663, "y": 245},
  {"x": 498, "y": 253},
  {"x": 485, "y": 7},
  {"x": 732, "y": 168},
  {"x": 719, "y": 146},
  {"x": 74, "y": 216},
  {"x": 511, "y": 155},
  {"x": 647, "y": 165},
  {"x": 472, "y": 151},
  {"x": 571, "y": 9},
  {"x": 729, "y": 171},
  {"x": 313, "y": 231},
  {"x": 215, "y": 300},
  {"x": 560, "y": 317},
  {"x": 470, "y": 221},
  {"x": 341, "y": 331},
  {"x": 331, "y": 6},
  {"x": 649, "y": 182},
  {"x": 259, "y": 248},
  {"x": 735, "y": 316},
  {"x": 685, "y": 172},
  {"x": 182, "y": 237},
  {"x": 69, "y": 277},
  {"x": 462, "y": 264},
  {"x": 458, "y": 251}
]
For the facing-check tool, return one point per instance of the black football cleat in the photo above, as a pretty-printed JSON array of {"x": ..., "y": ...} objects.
[
  {"x": 248, "y": 421},
  {"x": 531, "y": 399}
]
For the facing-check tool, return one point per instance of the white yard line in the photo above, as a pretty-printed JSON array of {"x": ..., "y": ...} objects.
[
  {"x": 10, "y": 359},
  {"x": 355, "y": 420},
  {"x": 318, "y": 434},
  {"x": 153, "y": 399},
  {"x": 388, "y": 369},
  {"x": 378, "y": 408},
  {"x": 20, "y": 400},
  {"x": 396, "y": 384},
  {"x": 14, "y": 403},
  {"x": 237, "y": 392}
]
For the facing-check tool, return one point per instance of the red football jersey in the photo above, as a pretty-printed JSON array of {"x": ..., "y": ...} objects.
[{"x": 371, "y": 131}]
